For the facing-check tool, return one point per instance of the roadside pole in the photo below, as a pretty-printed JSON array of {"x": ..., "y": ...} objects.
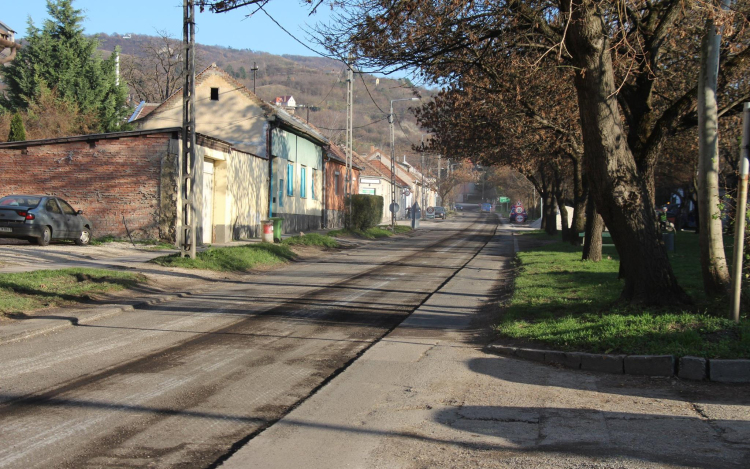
[
  {"x": 740, "y": 214},
  {"x": 349, "y": 138},
  {"x": 187, "y": 156}
]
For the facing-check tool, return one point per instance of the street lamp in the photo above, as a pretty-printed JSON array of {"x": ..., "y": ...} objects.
[{"x": 393, "y": 163}]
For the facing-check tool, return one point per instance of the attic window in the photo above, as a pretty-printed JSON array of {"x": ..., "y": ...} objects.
[{"x": 214, "y": 94}]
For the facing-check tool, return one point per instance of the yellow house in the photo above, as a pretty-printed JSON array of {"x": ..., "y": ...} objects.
[{"x": 273, "y": 167}]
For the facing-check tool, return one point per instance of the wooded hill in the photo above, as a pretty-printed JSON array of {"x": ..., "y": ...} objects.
[{"x": 313, "y": 81}]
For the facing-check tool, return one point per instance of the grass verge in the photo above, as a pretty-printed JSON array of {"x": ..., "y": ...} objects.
[
  {"x": 231, "y": 259},
  {"x": 29, "y": 291},
  {"x": 370, "y": 233},
  {"x": 311, "y": 239},
  {"x": 151, "y": 244},
  {"x": 567, "y": 304}
]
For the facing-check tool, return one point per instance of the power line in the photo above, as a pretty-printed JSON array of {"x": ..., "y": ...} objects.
[
  {"x": 359, "y": 127},
  {"x": 398, "y": 121},
  {"x": 327, "y": 94},
  {"x": 370, "y": 94},
  {"x": 260, "y": 7}
]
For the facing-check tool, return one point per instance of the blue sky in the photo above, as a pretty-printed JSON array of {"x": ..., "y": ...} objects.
[{"x": 146, "y": 16}]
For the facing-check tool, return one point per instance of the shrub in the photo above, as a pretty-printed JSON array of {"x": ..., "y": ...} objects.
[
  {"x": 367, "y": 211},
  {"x": 17, "y": 130}
]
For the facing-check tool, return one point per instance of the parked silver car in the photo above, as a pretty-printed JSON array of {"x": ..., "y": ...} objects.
[{"x": 40, "y": 219}]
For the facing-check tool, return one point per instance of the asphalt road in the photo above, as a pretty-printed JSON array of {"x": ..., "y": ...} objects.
[
  {"x": 427, "y": 396},
  {"x": 184, "y": 383}
]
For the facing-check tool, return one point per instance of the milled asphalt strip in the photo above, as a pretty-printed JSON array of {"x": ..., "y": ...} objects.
[
  {"x": 107, "y": 311},
  {"x": 239, "y": 444},
  {"x": 280, "y": 307}
]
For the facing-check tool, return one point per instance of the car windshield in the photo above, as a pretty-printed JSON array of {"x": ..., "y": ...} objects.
[
  {"x": 439, "y": 209},
  {"x": 19, "y": 201}
]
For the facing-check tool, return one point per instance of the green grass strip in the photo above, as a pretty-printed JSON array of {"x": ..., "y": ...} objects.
[
  {"x": 231, "y": 259},
  {"x": 370, "y": 233},
  {"x": 311, "y": 239},
  {"x": 569, "y": 304},
  {"x": 27, "y": 291}
]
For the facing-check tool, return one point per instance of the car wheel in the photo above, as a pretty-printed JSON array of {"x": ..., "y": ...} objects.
[
  {"x": 84, "y": 238},
  {"x": 45, "y": 238}
]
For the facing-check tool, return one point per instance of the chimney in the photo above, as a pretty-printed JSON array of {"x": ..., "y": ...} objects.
[
  {"x": 404, "y": 158},
  {"x": 372, "y": 148}
]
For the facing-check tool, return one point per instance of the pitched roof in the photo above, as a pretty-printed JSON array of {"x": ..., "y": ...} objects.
[
  {"x": 386, "y": 172},
  {"x": 271, "y": 111},
  {"x": 338, "y": 154},
  {"x": 142, "y": 110},
  {"x": 5, "y": 27}
]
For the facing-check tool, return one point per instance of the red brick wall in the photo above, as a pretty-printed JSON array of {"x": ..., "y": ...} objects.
[
  {"x": 106, "y": 179},
  {"x": 336, "y": 201}
]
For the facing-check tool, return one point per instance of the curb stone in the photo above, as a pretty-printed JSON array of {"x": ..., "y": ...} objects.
[
  {"x": 604, "y": 363},
  {"x": 530, "y": 354},
  {"x": 567, "y": 359},
  {"x": 649, "y": 365},
  {"x": 693, "y": 368},
  {"x": 729, "y": 371},
  {"x": 688, "y": 368}
]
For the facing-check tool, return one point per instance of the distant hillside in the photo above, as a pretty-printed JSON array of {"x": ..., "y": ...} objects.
[{"x": 313, "y": 81}]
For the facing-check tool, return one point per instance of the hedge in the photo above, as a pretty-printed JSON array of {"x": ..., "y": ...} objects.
[{"x": 367, "y": 211}]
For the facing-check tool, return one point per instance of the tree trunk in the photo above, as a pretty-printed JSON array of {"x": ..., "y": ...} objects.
[
  {"x": 550, "y": 213},
  {"x": 713, "y": 260},
  {"x": 580, "y": 195},
  {"x": 592, "y": 246},
  {"x": 620, "y": 190}
]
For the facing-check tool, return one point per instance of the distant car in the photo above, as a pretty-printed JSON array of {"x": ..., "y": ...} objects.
[
  {"x": 40, "y": 219},
  {"x": 440, "y": 212},
  {"x": 486, "y": 207}
]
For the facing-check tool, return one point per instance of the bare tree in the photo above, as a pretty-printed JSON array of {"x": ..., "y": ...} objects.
[{"x": 155, "y": 72}]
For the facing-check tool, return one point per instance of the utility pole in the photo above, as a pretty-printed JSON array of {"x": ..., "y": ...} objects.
[
  {"x": 349, "y": 135},
  {"x": 393, "y": 163},
  {"x": 393, "y": 172},
  {"x": 438, "y": 182},
  {"x": 421, "y": 170},
  {"x": 254, "y": 70},
  {"x": 187, "y": 164}
]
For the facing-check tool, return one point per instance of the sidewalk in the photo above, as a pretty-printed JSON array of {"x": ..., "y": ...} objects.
[{"x": 427, "y": 396}]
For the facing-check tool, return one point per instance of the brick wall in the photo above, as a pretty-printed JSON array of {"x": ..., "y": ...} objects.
[{"x": 106, "y": 178}]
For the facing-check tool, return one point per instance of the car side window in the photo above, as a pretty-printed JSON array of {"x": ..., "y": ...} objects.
[
  {"x": 66, "y": 208},
  {"x": 51, "y": 206}
]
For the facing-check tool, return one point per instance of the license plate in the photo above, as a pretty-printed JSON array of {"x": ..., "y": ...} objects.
[{"x": 3, "y": 228}]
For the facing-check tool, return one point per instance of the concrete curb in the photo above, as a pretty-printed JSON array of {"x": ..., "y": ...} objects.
[{"x": 689, "y": 368}]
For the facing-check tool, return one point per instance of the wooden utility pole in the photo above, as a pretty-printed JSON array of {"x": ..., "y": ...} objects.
[
  {"x": 187, "y": 157},
  {"x": 349, "y": 136}
]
